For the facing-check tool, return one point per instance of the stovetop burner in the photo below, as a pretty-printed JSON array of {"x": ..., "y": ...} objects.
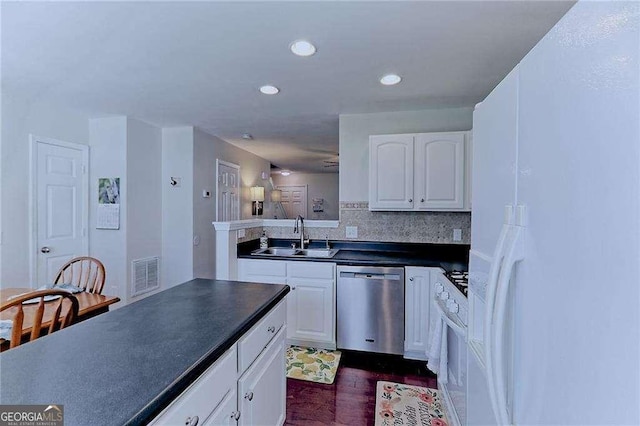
[{"x": 460, "y": 279}]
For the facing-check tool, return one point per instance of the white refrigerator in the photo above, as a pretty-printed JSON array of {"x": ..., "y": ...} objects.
[{"x": 554, "y": 325}]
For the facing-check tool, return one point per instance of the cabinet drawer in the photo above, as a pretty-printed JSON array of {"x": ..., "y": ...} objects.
[
  {"x": 256, "y": 339},
  {"x": 264, "y": 271},
  {"x": 205, "y": 394},
  {"x": 316, "y": 270}
]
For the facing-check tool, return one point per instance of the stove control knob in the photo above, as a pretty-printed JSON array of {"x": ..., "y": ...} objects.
[
  {"x": 444, "y": 295},
  {"x": 439, "y": 288}
]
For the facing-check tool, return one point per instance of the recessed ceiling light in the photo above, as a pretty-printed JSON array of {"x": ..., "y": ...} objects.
[
  {"x": 269, "y": 90},
  {"x": 390, "y": 79},
  {"x": 285, "y": 172},
  {"x": 303, "y": 48}
]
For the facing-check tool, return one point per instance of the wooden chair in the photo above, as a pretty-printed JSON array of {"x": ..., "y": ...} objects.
[
  {"x": 58, "y": 313},
  {"x": 84, "y": 272}
]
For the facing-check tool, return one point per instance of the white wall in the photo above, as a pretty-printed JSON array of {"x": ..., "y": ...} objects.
[
  {"x": 107, "y": 158},
  {"x": 204, "y": 209},
  {"x": 208, "y": 148},
  {"x": 177, "y": 206},
  {"x": 144, "y": 193},
  {"x": 251, "y": 167},
  {"x": 354, "y": 140},
  {"x": 319, "y": 185},
  {"x": 19, "y": 119}
]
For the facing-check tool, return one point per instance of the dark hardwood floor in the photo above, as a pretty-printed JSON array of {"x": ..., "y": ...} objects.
[{"x": 351, "y": 399}]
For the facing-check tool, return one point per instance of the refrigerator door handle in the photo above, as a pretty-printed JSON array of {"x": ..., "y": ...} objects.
[
  {"x": 513, "y": 255},
  {"x": 494, "y": 274}
]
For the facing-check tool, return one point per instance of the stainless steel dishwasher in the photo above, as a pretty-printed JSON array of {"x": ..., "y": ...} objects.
[{"x": 370, "y": 309}]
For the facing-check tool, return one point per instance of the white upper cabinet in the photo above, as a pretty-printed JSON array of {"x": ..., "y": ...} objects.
[
  {"x": 419, "y": 171},
  {"x": 391, "y": 172},
  {"x": 439, "y": 170}
]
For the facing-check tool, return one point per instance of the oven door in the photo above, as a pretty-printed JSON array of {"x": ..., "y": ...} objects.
[{"x": 454, "y": 390}]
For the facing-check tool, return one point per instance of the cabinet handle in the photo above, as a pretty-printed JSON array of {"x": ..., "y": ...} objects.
[
  {"x": 411, "y": 279},
  {"x": 422, "y": 200},
  {"x": 271, "y": 329},
  {"x": 411, "y": 200},
  {"x": 235, "y": 415},
  {"x": 192, "y": 421},
  {"x": 249, "y": 396}
]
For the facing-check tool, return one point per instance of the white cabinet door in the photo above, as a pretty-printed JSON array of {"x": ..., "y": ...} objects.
[
  {"x": 311, "y": 304},
  {"x": 225, "y": 413},
  {"x": 310, "y": 310},
  {"x": 439, "y": 170},
  {"x": 262, "y": 389},
  {"x": 391, "y": 172},
  {"x": 417, "y": 312}
]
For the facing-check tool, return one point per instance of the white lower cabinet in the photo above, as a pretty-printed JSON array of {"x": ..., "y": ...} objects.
[
  {"x": 417, "y": 311},
  {"x": 226, "y": 413},
  {"x": 311, "y": 311},
  {"x": 246, "y": 386},
  {"x": 311, "y": 305},
  {"x": 260, "y": 382}
]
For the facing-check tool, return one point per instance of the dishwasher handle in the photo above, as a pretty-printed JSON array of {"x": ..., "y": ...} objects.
[{"x": 370, "y": 276}]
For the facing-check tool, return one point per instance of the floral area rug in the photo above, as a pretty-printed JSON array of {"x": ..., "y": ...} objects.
[
  {"x": 408, "y": 405},
  {"x": 313, "y": 365}
]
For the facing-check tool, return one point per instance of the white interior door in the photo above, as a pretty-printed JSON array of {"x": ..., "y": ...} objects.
[
  {"x": 60, "y": 188},
  {"x": 228, "y": 191},
  {"x": 294, "y": 200}
]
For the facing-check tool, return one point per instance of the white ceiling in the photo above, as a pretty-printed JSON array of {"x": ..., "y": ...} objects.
[{"x": 201, "y": 63}]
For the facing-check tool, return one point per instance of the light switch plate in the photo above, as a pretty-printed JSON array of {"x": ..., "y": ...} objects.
[
  {"x": 241, "y": 233},
  {"x": 352, "y": 231},
  {"x": 457, "y": 234}
]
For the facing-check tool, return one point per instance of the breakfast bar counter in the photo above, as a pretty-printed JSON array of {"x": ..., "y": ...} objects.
[{"x": 126, "y": 366}]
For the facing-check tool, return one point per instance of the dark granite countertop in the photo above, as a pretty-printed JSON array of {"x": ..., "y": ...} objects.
[
  {"x": 449, "y": 257},
  {"x": 125, "y": 366}
]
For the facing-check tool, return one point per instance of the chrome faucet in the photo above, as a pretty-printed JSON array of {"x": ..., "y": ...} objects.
[{"x": 300, "y": 229}]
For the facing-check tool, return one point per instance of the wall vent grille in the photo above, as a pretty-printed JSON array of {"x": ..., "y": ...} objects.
[{"x": 145, "y": 275}]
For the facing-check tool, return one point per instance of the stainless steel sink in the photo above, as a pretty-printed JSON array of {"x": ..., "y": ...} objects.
[
  {"x": 290, "y": 252},
  {"x": 317, "y": 252},
  {"x": 276, "y": 251}
]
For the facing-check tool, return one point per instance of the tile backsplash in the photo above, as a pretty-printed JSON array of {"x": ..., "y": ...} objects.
[
  {"x": 411, "y": 227},
  {"x": 251, "y": 234}
]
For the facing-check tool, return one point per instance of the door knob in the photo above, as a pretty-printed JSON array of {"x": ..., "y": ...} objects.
[
  {"x": 192, "y": 421},
  {"x": 249, "y": 395},
  {"x": 235, "y": 415},
  {"x": 45, "y": 249}
]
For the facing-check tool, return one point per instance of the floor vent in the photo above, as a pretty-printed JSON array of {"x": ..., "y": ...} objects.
[{"x": 145, "y": 275}]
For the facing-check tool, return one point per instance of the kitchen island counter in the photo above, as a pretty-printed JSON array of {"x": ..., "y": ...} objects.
[{"x": 126, "y": 366}]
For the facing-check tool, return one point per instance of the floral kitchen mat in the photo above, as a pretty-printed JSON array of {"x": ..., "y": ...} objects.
[
  {"x": 408, "y": 405},
  {"x": 313, "y": 365}
]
